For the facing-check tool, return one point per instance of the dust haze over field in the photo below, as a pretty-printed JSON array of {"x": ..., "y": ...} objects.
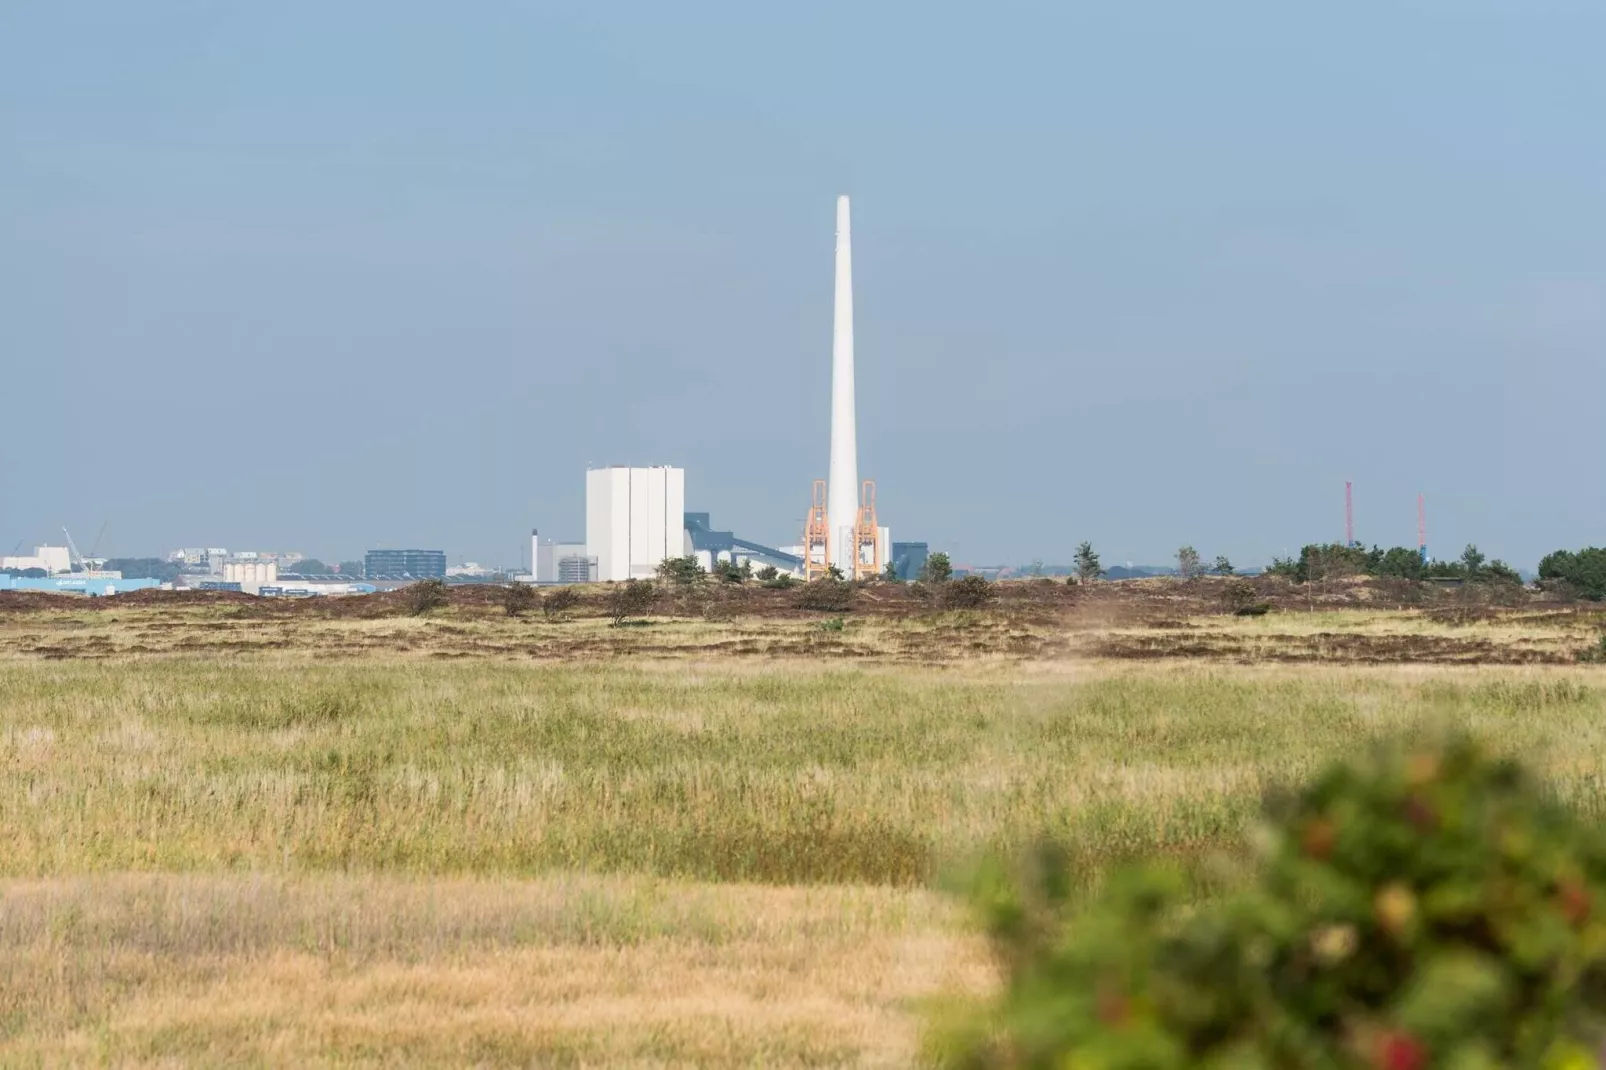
[{"x": 339, "y": 834}]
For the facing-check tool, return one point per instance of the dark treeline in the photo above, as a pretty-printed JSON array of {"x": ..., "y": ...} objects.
[{"x": 1330, "y": 561}]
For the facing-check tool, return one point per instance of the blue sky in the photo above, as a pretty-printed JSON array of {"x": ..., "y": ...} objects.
[{"x": 331, "y": 276}]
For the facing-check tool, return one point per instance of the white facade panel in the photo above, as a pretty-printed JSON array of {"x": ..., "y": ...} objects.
[
  {"x": 599, "y": 512},
  {"x": 658, "y": 546},
  {"x": 676, "y": 542},
  {"x": 619, "y": 525},
  {"x": 641, "y": 535}
]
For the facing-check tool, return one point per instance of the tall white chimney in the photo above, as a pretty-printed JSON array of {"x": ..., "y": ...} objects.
[{"x": 842, "y": 487}]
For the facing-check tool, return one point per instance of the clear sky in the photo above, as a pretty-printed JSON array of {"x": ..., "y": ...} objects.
[{"x": 327, "y": 276}]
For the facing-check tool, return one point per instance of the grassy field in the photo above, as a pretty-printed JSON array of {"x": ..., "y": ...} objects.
[{"x": 508, "y": 842}]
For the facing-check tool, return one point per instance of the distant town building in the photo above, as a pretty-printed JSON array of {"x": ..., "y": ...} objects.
[{"x": 404, "y": 565}]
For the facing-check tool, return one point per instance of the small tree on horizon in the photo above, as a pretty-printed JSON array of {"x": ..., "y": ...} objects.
[
  {"x": 1088, "y": 568},
  {"x": 1187, "y": 562},
  {"x": 1222, "y": 567},
  {"x": 937, "y": 569}
]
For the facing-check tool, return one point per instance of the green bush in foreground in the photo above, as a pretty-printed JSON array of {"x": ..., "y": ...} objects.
[{"x": 1419, "y": 910}]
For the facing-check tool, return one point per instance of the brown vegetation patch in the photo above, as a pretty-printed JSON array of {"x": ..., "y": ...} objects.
[{"x": 1336, "y": 648}]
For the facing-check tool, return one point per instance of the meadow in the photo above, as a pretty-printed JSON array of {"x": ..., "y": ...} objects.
[{"x": 466, "y": 839}]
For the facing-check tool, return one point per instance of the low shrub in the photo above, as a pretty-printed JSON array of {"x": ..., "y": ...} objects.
[
  {"x": 425, "y": 596},
  {"x": 559, "y": 601},
  {"x": 830, "y": 596},
  {"x": 518, "y": 598},
  {"x": 1238, "y": 595},
  {"x": 968, "y": 592},
  {"x": 1415, "y": 910},
  {"x": 633, "y": 598}
]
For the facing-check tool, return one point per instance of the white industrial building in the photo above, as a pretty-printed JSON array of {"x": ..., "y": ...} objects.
[
  {"x": 635, "y": 520},
  {"x": 52, "y": 560},
  {"x": 252, "y": 576}
]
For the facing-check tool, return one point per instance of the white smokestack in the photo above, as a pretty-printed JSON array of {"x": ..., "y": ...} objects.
[{"x": 842, "y": 488}]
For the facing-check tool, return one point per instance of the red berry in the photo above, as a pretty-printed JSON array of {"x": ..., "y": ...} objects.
[
  {"x": 1398, "y": 1050},
  {"x": 1575, "y": 901},
  {"x": 1113, "y": 1008},
  {"x": 1319, "y": 838}
]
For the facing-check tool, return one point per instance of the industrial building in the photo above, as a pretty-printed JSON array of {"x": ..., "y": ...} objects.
[
  {"x": 404, "y": 565},
  {"x": 76, "y": 583},
  {"x": 551, "y": 561},
  {"x": 635, "y": 519},
  {"x": 909, "y": 559},
  {"x": 47, "y": 559},
  {"x": 708, "y": 546},
  {"x": 250, "y": 576}
]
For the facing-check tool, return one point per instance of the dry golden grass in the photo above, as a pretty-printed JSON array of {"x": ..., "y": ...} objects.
[{"x": 368, "y": 971}]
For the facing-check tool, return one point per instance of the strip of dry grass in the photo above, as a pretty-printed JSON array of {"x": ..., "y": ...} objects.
[
  {"x": 369, "y": 971},
  {"x": 701, "y": 771}
]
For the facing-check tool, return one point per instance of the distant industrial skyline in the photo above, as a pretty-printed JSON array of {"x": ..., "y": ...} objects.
[{"x": 332, "y": 277}]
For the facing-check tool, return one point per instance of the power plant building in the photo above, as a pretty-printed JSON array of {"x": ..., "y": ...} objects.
[{"x": 635, "y": 520}]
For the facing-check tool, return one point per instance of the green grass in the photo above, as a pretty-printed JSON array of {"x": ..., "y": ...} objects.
[{"x": 783, "y": 776}]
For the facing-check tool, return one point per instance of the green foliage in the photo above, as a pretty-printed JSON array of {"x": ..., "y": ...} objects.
[
  {"x": 781, "y": 581},
  {"x": 969, "y": 592},
  {"x": 425, "y": 596},
  {"x": 1188, "y": 565},
  {"x": 351, "y": 569},
  {"x": 633, "y": 598},
  {"x": 937, "y": 569},
  {"x": 142, "y": 568},
  {"x": 308, "y": 566},
  {"x": 828, "y": 595},
  {"x": 556, "y": 603},
  {"x": 1285, "y": 567},
  {"x": 681, "y": 571},
  {"x": 730, "y": 572},
  {"x": 1400, "y": 562},
  {"x": 1222, "y": 567},
  {"x": 1422, "y": 909},
  {"x": 833, "y": 572},
  {"x": 1087, "y": 563},
  {"x": 1584, "y": 572},
  {"x": 518, "y": 598},
  {"x": 834, "y": 624},
  {"x": 890, "y": 574},
  {"x": 767, "y": 573}
]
